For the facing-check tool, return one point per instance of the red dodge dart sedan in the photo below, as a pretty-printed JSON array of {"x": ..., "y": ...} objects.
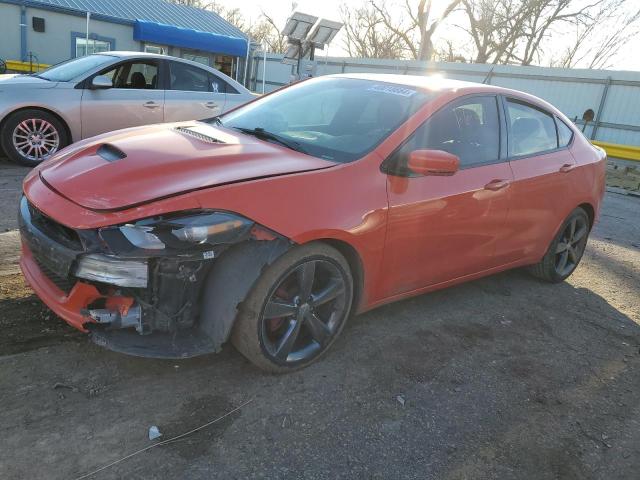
[{"x": 268, "y": 226}]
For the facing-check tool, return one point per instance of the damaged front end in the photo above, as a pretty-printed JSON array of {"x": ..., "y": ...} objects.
[{"x": 165, "y": 287}]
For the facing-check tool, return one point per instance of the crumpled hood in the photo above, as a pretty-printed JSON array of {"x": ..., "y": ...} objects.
[
  {"x": 12, "y": 81},
  {"x": 130, "y": 167}
]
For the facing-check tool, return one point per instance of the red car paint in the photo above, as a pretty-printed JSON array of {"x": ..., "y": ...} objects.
[{"x": 410, "y": 235}]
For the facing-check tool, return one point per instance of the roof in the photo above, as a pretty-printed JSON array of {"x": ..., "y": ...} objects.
[
  {"x": 128, "y": 11},
  {"x": 438, "y": 83}
]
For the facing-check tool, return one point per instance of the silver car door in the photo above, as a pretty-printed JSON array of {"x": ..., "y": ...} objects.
[
  {"x": 192, "y": 94},
  {"x": 134, "y": 99}
]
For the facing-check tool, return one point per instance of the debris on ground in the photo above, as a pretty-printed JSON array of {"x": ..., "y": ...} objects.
[
  {"x": 59, "y": 385},
  {"x": 154, "y": 432}
]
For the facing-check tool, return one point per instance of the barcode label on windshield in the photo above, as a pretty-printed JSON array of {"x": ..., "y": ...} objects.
[{"x": 392, "y": 90}]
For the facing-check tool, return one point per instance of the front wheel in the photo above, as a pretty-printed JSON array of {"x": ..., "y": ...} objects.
[
  {"x": 296, "y": 309},
  {"x": 29, "y": 137},
  {"x": 566, "y": 249}
]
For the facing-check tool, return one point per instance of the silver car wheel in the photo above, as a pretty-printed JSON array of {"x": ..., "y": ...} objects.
[{"x": 35, "y": 139}]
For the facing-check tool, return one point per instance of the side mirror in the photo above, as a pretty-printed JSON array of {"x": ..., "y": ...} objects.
[
  {"x": 433, "y": 162},
  {"x": 101, "y": 82}
]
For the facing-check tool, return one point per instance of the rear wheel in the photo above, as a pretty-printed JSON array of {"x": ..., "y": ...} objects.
[
  {"x": 566, "y": 250},
  {"x": 31, "y": 136},
  {"x": 296, "y": 310}
]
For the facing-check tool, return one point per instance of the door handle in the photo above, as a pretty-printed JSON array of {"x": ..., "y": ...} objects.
[
  {"x": 567, "y": 167},
  {"x": 211, "y": 105},
  {"x": 495, "y": 185},
  {"x": 151, "y": 104}
]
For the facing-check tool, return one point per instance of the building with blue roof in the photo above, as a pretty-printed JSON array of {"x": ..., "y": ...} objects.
[{"x": 51, "y": 31}]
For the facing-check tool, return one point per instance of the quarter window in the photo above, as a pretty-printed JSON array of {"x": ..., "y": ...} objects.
[
  {"x": 469, "y": 129},
  {"x": 532, "y": 130},
  {"x": 218, "y": 85},
  {"x": 565, "y": 134}
]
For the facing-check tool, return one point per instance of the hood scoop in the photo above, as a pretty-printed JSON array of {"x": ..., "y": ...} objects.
[
  {"x": 110, "y": 153},
  {"x": 199, "y": 133}
]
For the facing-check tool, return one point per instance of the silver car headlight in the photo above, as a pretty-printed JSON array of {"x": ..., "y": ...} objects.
[
  {"x": 175, "y": 233},
  {"x": 114, "y": 271}
]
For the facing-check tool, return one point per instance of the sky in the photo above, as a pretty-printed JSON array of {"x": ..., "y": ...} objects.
[{"x": 279, "y": 10}]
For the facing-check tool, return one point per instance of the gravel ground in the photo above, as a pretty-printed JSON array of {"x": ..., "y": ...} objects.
[{"x": 500, "y": 378}]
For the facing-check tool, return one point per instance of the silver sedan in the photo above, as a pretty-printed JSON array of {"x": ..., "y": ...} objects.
[{"x": 41, "y": 113}]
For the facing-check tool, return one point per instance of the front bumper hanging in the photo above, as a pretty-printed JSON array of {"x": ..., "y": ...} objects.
[{"x": 141, "y": 306}]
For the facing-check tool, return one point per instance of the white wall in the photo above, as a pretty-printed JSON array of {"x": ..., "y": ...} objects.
[
  {"x": 54, "y": 45},
  {"x": 9, "y": 31}
]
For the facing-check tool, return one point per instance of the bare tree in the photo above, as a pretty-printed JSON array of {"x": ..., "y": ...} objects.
[
  {"x": 263, "y": 31},
  {"x": 366, "y": 36},
  {"x": 418, "y": 30},
  {"x": 449, "y": 53},
  {"x": 521, "y": 31},
  {"x": 496, "y": 27},
  {"x": 599, "y": 36}
]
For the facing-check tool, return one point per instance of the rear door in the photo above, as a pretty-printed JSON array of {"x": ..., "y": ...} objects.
[
  {"x": 136, "y": 98},
  {"x": 444, "y": 227},
  {"x": 543, "y": 170},
  {"x": 193, "y": 93}
]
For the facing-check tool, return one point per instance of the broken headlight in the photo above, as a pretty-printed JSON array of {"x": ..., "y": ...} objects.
[{"x": 178, "y": 232}]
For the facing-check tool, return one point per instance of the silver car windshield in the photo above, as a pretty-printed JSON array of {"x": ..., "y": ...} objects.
[
  {"x": 67, "y": 71},
  {"x": 338, "y": 119}
]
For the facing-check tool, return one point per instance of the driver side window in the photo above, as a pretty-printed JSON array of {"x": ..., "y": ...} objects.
[
  {"x": 469, "y": 128},
  {"x": 138, "y": 75}
]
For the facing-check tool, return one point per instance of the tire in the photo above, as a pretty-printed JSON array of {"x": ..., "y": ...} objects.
[
  {"x": 569, "y": 244},
  {"x": 40, "y": 133},
  {"x": 257, "y": 330}
]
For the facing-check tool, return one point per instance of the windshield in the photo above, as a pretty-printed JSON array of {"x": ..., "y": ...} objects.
[
  {"x": 338, "y": 119},
  {"x": 66, "y": 71}
]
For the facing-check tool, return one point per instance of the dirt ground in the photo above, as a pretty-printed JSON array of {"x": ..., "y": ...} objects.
[{"x": 501, "y": 378}]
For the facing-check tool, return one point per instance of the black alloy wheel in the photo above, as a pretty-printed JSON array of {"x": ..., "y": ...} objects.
[
  {"x": 303, "y": 312},
  {"x": 570, "y": 248},
  {"x": 566, "y": 249},
  {"x": 296, "y": 310}
]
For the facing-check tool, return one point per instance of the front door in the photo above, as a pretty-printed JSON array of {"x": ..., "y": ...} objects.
[
  {"x": 193, "y": 94},
  {"x": 445, "y": 227},
  {"x": 135, "y": 99}
]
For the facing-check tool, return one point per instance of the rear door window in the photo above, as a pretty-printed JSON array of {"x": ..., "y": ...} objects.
[
  {"x": 189, "y": 78},
  {"x": 531, "y": 129}
]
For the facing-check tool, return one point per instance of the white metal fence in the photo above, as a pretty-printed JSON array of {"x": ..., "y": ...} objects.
[{"x": 614, "y": 96}]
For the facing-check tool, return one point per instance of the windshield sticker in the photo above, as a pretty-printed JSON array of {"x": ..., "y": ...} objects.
[{"x": 392, "y": 90}]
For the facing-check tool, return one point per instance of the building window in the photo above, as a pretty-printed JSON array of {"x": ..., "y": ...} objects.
[
  {"x": 224, "y": 63},
  {"x": 203, "y": 59},
  {"x": 95, "y": 46},
  {"x": 155, "y": 49},
  {"x": 38, "y": 24}
]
